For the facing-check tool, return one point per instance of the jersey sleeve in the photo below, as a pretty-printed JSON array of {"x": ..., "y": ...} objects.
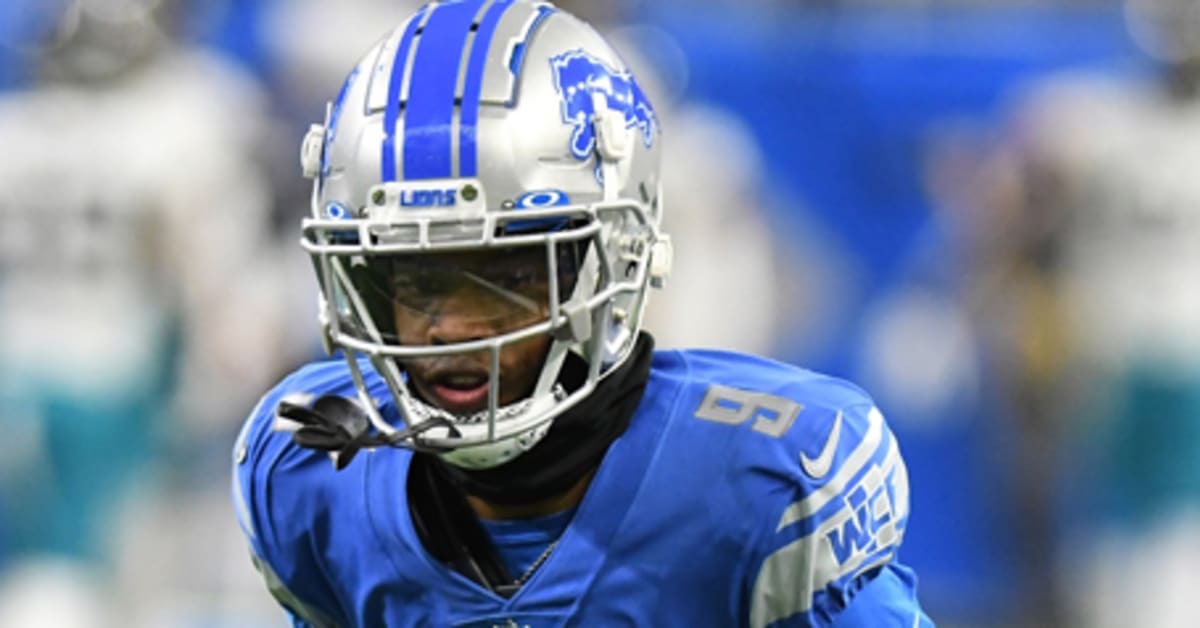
[
  {"x": 271, "y": 516},
  {"x": 829, "y": 556}
]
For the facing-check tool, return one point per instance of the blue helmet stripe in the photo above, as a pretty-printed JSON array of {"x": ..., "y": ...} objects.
[
  {"x": 516, "y": 62},
  {"x": 392, "y": 112},
  {"x": 430, "y": 110},
  {"x": 468, "y": 154}
]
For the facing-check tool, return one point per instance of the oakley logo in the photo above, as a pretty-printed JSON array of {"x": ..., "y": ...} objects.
[
  {"x": 336, "y": 211},
  {"x": 577, "y": 75},
  {"x": 543, "y": 198}
]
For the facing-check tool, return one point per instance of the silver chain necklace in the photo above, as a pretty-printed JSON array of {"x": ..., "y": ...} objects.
[
  {"x": 536, "y": 563},
  {"x": 508, "y": 590}
]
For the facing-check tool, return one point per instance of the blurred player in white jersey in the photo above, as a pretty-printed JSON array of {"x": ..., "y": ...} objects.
[
  {"x": 131, "y": 207},
  {"x": 1088, "y": 249}
]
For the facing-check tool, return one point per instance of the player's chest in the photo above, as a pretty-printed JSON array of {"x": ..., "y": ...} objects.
[
  {"x": 630, "y": 557},
  {"x": 582, "y": 583}
]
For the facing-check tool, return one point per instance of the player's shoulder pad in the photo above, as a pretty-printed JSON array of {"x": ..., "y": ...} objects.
[
  {"x": 264, "y": 446},
  {"x": 819, "y": 466},
  {"x": 280, "y": 489},
  {"x": 783, "y": 410}
]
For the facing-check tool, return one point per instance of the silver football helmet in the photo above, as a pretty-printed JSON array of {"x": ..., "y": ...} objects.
[{"x": 483, "y": 147}]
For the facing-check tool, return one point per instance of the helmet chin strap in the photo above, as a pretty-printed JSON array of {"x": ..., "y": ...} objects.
[{"x": 487, "y": 454}]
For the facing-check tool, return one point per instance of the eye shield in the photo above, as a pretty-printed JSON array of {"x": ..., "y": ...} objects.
[{"x": 493, "y": 290}]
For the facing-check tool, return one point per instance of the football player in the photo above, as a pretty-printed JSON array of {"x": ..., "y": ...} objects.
[{"x": 496, "y": 442}]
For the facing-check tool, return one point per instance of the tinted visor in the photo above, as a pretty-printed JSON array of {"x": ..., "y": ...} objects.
[{"x": 431, "y": 298}]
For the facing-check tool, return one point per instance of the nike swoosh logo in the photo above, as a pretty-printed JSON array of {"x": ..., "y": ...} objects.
[{"x": 819, "y": 467}]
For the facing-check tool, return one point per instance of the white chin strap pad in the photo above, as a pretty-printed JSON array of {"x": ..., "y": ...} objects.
[
  {"x": 474, "y": 429},
  {"x": 495, "y": 454}
]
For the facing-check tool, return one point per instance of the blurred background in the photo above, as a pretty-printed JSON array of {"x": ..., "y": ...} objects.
[{"x": 986, "y": 212}]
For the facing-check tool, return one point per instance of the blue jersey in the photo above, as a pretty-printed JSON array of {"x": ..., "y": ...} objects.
[{"x": 744, "y": 492}]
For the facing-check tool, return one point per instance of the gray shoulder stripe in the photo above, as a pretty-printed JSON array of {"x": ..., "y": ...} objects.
[
  {"x": 784, "y": 588},
  {"x": 280, "y": 591},
  {"x": 791, "y": 576},
  {"x": 855, "y": 463},
  {"x": 240, "y": 454},
  {"x": 242, "y": 509}
]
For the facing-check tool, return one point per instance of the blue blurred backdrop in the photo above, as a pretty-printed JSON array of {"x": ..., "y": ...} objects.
[{"x": 919, "y": 184}]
